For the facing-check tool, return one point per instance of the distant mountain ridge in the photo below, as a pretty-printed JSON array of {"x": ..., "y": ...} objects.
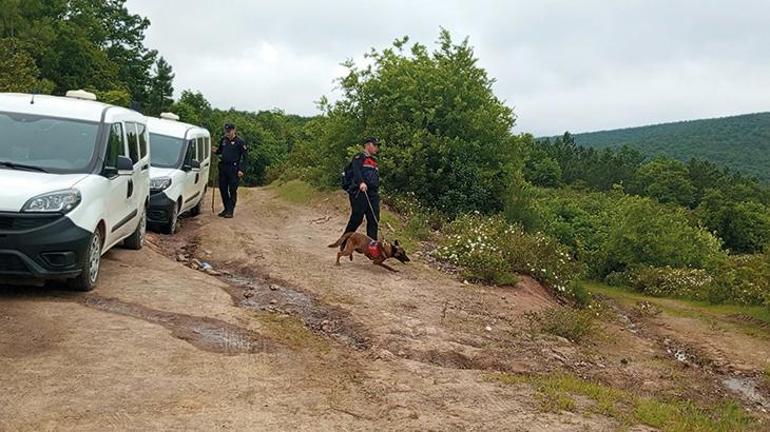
[{"x": 740, "y": 142}]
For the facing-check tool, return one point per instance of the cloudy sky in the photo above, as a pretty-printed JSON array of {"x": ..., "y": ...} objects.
[{"x": 563, "y": 65}]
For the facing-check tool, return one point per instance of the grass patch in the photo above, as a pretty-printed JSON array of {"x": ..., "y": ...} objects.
[
  {"x": 296, "y": 191},
  {"x": 569, "y": 323},
  {"x": 291, "y": 332},
  {"x": 557, "y": 393},
  {"x": 756, "y": 325}
]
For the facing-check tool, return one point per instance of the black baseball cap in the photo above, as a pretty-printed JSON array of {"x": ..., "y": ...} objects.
[
  {"x": 373, "y": 140},
  {"x": 229, "y": 126}
]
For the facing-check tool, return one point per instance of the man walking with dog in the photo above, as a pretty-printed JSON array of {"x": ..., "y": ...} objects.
[
  {"x": 232, "y": 165},
  {"x": 362, "y": 182}
]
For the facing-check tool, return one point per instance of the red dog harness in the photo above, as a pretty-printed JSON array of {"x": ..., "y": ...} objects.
[{"x": 374, "y": 250}]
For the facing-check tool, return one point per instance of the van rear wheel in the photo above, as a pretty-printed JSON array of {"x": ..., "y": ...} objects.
[
  {"x": 91, "y": 261},
  {"x": 136, "y": 240}
]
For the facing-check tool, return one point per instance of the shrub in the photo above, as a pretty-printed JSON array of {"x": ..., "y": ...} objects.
[
  {"x": 572, "y": 324},
  {"x": 646, "y": 233},
  {"x": 743, "y": 279},
  {"x": 666, "y": 281},
  {"x": 492, "y": 250}
]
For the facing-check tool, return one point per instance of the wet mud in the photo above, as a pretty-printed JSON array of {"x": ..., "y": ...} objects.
[{"x": 207, "y": 334}]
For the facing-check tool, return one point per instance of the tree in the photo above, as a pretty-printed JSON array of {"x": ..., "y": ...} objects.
[
  {"x": 18, "y": 72},
  {"x": 93, "y": 44},
  {"x": 446, "y": 136},
  {"x": 192, "y": 107},
  {"x": 543, "y": 171},
  {"x": 666, "y": 180},
  {"x": 744, "y": 226},
  {"x": 647, "y": 233},
  {"x": 160, "y": 95}
]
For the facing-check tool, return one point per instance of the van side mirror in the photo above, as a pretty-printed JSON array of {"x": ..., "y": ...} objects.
[
  {"x": 192, "y": 165},
  {"x": 125, "y": 166}
]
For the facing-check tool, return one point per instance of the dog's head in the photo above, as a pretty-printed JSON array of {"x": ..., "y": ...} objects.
[{"x": 398, "y": 252}]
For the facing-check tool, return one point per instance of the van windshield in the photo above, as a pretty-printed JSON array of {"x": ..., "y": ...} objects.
[
  {"x": 46, "y": 144},
  {"x": 166, "y": 151}
]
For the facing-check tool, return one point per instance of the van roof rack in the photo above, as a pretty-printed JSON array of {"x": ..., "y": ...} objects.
[
  {"x": 169, "y": 116},
  {"x": 81, "y": 94}
]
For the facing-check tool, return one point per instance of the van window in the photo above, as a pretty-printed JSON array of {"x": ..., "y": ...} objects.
[
  {"x": 201, "y": 150},
  {"x": 53, "y": 144},
  {"x": 142, "y": 133},
  {"x": 208, "y": 148},
  {"x": 115, "y": 146},
  {"x": 133, "y": 142},
  {"x": 190, "y": 155},
  {"x": 166, "y": 151}
]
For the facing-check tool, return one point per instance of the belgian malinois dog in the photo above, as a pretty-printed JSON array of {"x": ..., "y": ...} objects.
[{"x": 376, "y": 251}]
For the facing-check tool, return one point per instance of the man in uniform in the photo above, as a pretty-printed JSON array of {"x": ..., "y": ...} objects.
[
  {"x": 232, "y": 164},
  {"x": 364, "y": 190}
]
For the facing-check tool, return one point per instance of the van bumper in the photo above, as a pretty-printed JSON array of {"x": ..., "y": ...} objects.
[
  {"x": 53, "y": 250},
  {"x": 161, "y": 207}
]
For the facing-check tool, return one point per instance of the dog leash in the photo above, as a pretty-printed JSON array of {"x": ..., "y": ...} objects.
[{"x": 373, "y": 214}]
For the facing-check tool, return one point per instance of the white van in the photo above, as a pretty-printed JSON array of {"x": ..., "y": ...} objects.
[
  {"x": 179, "y": 171},
  {"x": 74, "y": 182}
]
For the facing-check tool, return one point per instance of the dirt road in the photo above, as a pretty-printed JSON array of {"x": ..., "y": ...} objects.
[{"x": 284, "y": 340}]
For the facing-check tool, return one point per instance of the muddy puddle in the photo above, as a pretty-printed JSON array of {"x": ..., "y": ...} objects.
[
  {"x": 204, "y": 333},
  {"x": 262, "y": 294},
  {"x": 748, "y": 389},
  {"x": 253, "y": 289}
]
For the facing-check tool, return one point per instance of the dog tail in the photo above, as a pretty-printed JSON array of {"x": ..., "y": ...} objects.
[{"x": 341, "y": 240}]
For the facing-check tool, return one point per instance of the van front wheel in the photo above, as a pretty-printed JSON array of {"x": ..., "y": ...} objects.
[
  {"x": 136, "y": 240},
  {"x": 90, "y": 265}
]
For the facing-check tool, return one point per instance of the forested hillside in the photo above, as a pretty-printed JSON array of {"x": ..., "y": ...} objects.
[{"x": 741, "y": 142}]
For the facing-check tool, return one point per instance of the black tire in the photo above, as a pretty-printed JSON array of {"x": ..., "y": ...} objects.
[
  {"x": 195, "y": 211},
  {"x": 136, "y": 240},
  {"x": 173, "y": 218},
  {"x": 91, "y": 261}
]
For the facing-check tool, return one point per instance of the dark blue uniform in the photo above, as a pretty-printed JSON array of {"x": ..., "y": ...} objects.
[
  {"x": 232, "y": 154},
  {"x": 365, "y": 170}
]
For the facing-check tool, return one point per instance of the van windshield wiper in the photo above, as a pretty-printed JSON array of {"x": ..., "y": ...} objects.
[{"x": 14, "y": 165}]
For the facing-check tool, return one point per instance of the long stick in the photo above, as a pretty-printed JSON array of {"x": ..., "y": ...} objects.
[{"x": 213, "y": 194}]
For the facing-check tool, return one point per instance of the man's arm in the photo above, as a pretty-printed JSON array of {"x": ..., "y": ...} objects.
[
  {"x": 358, "y": 168},
  {"x": 242, "y": 160}
]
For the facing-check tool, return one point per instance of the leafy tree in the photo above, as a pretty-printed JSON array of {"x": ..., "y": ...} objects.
[
  {"x": 94, "y": 44},
  {"x": 192, "y": 107},
  {"x": 744, "y": 226},
  {"x": 160, "y": 95},
  {"x": 446, "y": 136},
  {"x": 666, "y": 180},
  {"x": 646, "y": 233},
  {"x": 18, "y": 72}
]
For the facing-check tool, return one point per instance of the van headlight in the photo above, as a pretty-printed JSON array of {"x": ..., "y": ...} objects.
[
  {"x": 160, "y": 183},
  {"x": 53, "y": 202}
]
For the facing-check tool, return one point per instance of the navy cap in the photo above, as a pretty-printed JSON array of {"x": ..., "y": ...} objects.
[
  {"x": 229, "y": 126},
  {"x": 372, "y": 140}
]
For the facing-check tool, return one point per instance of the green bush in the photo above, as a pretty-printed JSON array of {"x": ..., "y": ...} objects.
[
  {"x": 492, "y": 250},
  {"x": 666, "y": 281},
  {"x": 743, "y": 279},
  {"x": 572, "y": 324},
  {"x": 644, "y": 232}
]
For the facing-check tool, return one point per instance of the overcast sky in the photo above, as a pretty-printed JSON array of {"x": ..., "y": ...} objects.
[{"x": 563, "y": 65}]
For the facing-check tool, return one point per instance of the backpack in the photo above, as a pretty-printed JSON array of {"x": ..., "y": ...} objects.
[{"x": 346, "y": 178}]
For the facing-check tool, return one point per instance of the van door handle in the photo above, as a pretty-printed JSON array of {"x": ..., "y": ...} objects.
[{"x": 130, "y": 188}]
